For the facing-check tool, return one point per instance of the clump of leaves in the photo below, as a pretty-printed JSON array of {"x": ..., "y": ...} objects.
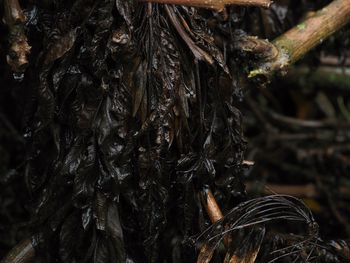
[{"x": 131, "y": 110}]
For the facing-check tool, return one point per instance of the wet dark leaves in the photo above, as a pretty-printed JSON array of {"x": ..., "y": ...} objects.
[{"x": 131, "y": 110}]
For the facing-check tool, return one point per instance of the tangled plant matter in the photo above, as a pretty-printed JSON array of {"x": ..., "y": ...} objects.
[{"x": 131, "y": 112}]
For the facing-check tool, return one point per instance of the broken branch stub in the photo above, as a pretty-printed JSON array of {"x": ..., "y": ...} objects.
[
  {"x": 212, "y": 207},
  {"x": 218, "y": 5},
  {"x": 291, "y": 46}
]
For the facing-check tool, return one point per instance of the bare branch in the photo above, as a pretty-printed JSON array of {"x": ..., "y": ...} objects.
[
  {"x": 218, "y": 5},
  {"x": 294, "y": 44},
  {"x": 299, "y": 191}
]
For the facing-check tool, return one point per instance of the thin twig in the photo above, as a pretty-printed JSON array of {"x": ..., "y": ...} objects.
[
  {"x": 300, "y": 191},
  {"x": 215, "y": 214},
  {"x": 218, "y": 5},
  {"x": 308, "y": 190},
  {"x": 328, "y": 60},
  {"x": 212, "y": 207}
]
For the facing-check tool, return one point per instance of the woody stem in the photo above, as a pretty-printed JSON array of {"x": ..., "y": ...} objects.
[{"x": 214, "y": 4}]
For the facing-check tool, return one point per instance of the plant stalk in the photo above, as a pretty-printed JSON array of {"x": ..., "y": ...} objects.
[
  {"x": 215, "y": 214},
  {"x": 212, "y": 207},
  {"x": 218, "y": 5},
  {"x": 299, "y": 191},
  {"x": 291, "y": 46},
  {"x": 313, "y": 31}
]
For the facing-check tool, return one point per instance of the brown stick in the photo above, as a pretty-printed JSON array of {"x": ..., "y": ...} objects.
[
  {"x": 300, "y": 191},
  {"x": 215, "y": 214},
  {"x": 308, "y": 190},
  {"x": 218, "y": 5},
  {"x": 305, "y": 36},
  {"x": 294, "y": 44},
  {"x": 22, "y": 253},
  {"x": 212, "y": 207},
  {"x": 335, "y": 61},
  {"x": 207, "y": 251}
]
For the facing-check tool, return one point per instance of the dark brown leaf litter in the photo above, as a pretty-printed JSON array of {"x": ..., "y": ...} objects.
[{"x": 122, "y": 114}]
